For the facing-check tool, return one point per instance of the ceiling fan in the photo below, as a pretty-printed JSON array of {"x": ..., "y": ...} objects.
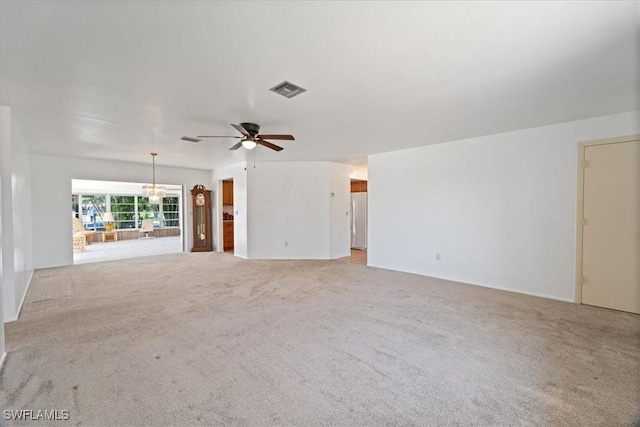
[{"x": 250, "y": 138}]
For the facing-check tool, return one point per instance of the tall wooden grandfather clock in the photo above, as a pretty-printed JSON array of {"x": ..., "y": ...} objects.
[{"x": 201, "y": 202}]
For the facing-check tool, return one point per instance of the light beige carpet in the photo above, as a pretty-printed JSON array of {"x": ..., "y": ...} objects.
[{"x": 209, "y": 339}]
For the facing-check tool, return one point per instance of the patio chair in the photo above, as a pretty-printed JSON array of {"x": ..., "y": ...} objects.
[
  {"x": 146, "y": 228},
  {"x": 78, "y": 228},
  {"x": 79, "y": 242}
]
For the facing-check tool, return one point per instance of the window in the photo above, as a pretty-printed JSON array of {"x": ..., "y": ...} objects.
[
  {"x": 128, "y": 211},
  {"x": 93, "y": 206},
  {"x": 123, "y": 209},
  {"x": 148, "y": 210},
  {"x": 171, "y": 211}
]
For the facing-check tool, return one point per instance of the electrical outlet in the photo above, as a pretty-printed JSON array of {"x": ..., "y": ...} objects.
[
  {"x": 437, "y": 257},
  {"x": 286, "y": 243}
]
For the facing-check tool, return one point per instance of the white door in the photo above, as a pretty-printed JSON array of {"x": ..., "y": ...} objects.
[
  {"x": 359, "y": 220},
  {"x": 611, "y": 231}
]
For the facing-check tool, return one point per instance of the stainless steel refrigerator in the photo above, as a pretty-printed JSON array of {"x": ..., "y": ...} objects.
[{"x": 359, "y": 220}]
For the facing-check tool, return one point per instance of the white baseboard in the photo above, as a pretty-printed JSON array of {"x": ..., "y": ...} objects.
[
  {"x": 517, "y": 291},
  {"x": 498, "y": 288},
  {"x": 2, "y": 359},
  {"x": 240, "y": 256},
  {"x": 333, "y": 258},
  {"x": 24, "y": 296}
]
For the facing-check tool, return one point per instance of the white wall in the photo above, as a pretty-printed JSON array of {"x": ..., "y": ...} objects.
[
  {"x": 8, "y": 269},
  {"x": 4, "y": 134},
  {"x": 51, "y": 188},
  {"x": 22, "y": 214},
  {"x": 500, "y": 209},
  {"x": 17, "y": 244},
  {"x": 302, "y": 204},
  {"x": 238, "y": 173},
  {"x": 340, "y": 207},
  {"x": 289, "y": 210}
]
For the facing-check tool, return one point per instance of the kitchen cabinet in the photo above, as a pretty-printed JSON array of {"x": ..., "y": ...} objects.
[
  {"x": 227, "y": 193},
  {"x": 359, "y": 186},
  {"x": 227, "y": 232}
]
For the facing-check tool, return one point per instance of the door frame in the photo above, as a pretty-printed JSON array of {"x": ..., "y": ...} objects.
[
  {"x": 219, "y": 215},
  {"x": 351, "y": 217},
  {"x": 582, "y": 145}
]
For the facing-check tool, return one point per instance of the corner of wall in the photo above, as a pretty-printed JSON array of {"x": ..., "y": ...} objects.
[
  {"x": 481, "y": 210},
  {"x": 24, "y": 295}
]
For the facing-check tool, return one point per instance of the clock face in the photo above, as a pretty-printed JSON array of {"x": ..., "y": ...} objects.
[{"x": 200, "y": 199}]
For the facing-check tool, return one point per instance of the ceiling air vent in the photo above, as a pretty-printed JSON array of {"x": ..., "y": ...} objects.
[{"x": 288, "y": 90}]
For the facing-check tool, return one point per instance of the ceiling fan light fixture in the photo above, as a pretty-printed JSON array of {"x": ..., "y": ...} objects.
[
  {"x": 250, "y": 139},
  {"x": 249, "y": 144}
]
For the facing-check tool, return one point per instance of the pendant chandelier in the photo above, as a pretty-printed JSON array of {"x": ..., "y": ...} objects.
[{"x": 154, "y": 192}]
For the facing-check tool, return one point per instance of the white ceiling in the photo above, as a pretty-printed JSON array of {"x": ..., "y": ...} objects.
[
  {"x": 117, "y": 80},
  {"x": 85, "y": 186}
]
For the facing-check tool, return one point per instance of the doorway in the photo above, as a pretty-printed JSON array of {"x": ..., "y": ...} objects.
[
  {"x": 358, "y": 226},
  {"x": 609, "y": 224},
  {"x": 227, "y": 216},
  {"x": 108, "y": 218}
]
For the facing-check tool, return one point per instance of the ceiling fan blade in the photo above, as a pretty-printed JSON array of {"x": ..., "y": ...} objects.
[
  {"x": 269, "y": 145},
  {"x": 241, "y": 130},
  {"x": 217, "y": 136},
  {"x": 235, "y": 147},
  {"x": 282, "y": 137},
  {"x": 190, "y": 138}
]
